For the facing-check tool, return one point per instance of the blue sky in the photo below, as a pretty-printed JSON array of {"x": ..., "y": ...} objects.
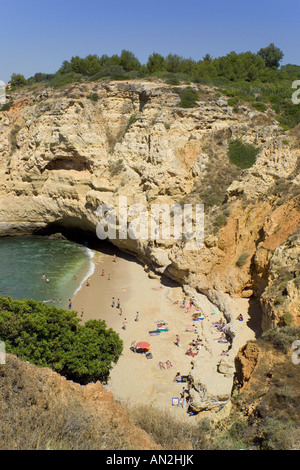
[{"x": 38, "y": 35}]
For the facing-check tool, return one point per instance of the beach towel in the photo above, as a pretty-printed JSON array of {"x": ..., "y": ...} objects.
[{"x": 154, "y": 333}]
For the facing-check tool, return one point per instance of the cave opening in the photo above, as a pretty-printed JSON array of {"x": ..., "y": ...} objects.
[{"x": 63, "y": 163}]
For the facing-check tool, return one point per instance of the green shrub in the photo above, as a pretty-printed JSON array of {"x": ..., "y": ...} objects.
[
  {"x": 17, "y": 81},
  {"x": 282, "y": 338},
  {"x": 260, "y": 106},
  {"x": 289, "y": 114},
  {"x": 61, "y": 80},
  {"x": 286, "y": 319},
  {"x": 6, "y": 106},
  {"x": 173, "y": 81},
  {"x": 275, "y": 435},
  {"x": 52, "y": 337},
  {"x": 115, "y": 168},
  {"x": 242, "y": 154},
  {"x": 188, "y": 96},
  {"x": 131, "y": 121},
  {"x": 220, "y": 221},
  {"x": 93, "y": 97},
  {"x": 114, "y": 72},
  {"x": 242, "y": 259},
  {"x": 13, "y": 138},
  {"x": 231, "y": 102}
]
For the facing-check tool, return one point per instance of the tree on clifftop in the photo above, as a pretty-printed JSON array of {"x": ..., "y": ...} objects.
[
  {"x": 272, "y": 56},
  {"x": 156, "y": 63},
  {"x": 17, "y": 80}
]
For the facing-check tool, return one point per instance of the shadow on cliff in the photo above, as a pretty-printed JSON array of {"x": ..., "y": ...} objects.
[{"x": 255, "y": 316}]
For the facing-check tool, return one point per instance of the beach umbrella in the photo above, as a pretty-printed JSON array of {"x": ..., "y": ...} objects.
[{"x": 143, "y": 345}]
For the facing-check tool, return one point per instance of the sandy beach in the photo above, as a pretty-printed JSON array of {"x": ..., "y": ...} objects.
[{"x": 135, "y": 379}]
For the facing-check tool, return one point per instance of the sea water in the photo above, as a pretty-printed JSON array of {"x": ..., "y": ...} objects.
[{"x": 24, "y": 261}]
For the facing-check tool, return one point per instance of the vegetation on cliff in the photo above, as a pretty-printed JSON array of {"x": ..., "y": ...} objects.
[
  {"x": 52, "y": 337},
  {"x": 256, "y": 78}
]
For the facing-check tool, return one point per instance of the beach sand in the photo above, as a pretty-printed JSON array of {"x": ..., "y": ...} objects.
[{"x": 135, "y": 379}]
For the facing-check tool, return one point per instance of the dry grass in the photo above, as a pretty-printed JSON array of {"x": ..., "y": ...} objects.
[
  {"x": 31, "y": 417},
  {"x": 168, "y": 432}
]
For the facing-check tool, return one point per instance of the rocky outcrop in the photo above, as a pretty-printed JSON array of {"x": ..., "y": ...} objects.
[
  {"x": 64, "y": 155},
  {"x": 280, "y": 300},
  {"x": 246, "y": 361}
]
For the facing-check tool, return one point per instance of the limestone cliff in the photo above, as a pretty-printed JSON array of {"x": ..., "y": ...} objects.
[{"x": 63, "y": 154}]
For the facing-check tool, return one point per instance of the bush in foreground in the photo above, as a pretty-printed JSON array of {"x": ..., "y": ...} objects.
[{"x": 52, "y": 337}]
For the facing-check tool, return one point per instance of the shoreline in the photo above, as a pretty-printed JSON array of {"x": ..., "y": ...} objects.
[
  {"x": 90, "y": 272},
  {"x": 136, "y": 380}
]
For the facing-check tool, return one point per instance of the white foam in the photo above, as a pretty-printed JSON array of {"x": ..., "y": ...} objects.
[{"x": 91, "y": 269}]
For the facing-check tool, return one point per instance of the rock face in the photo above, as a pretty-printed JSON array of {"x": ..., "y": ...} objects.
[
  {"x": 247, "y": 360},
  {"x": 63, "y": 155}
]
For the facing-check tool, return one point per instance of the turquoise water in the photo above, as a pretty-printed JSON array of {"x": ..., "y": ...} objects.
[{"x": 23, "y": 261}]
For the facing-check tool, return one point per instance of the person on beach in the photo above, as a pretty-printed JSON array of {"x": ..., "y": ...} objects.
[
  {"x": 88, "y": 282},
  {"x": 43, "y": 276},
  {"x": 177, "y": 341},
  {"x": 82, "y": 313},
  {"x": 118, "y": 303},
  {"x": 115, "y": 259},
  {"x": 59, "y": 301},
  {"x": 102, "y": 272},
  {"x": 124, "y": 324},
  {"x": 70, "y": 304},
  {"x": 137, "y": 316},
  {"x": 113, "y": 302}
]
